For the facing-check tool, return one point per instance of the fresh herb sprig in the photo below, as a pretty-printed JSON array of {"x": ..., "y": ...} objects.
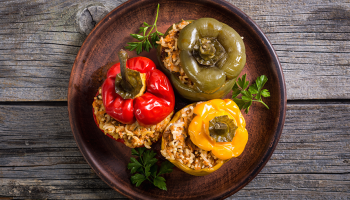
[
  {"x": 145, "y": 168},
  {"x": 254, "y": 92},
  {"x": 145, "y": 43}
]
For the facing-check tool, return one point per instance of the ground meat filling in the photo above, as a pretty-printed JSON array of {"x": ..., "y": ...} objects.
[
  {"x": 134, "y": 135},
  {"x": 171, "y": 53},
  {"x": 179, "y": 146}
]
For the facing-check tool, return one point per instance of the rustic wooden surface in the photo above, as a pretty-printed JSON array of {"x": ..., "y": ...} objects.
[{"x": 39, "y": 158}]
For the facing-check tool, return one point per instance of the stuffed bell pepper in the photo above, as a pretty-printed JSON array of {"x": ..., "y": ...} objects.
[
  {"x": 202, "y": 58},
  {"x": 203, "y": 136},
  {"x": 135, "y": 102}
]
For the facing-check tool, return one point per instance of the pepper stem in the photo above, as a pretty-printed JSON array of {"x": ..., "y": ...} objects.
[
  {"x": 129, "y": 83},
  {"x": 125, "y": 83},
  {"x": 208, "y": 51},
  {"x": 220, "y": 128}
]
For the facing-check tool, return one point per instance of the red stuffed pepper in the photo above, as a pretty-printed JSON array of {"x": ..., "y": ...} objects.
[{"x": 135, "y": 103}]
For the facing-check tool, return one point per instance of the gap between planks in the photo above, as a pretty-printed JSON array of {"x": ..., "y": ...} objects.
[{"x": 65, "y": 103}]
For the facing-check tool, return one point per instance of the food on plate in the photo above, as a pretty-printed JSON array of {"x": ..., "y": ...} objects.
[
  {"x": 135, "y": 102},
  {"x": 249, "y": 94},
  {"x": 202, "y": 58},
  {"x": 203, "y": 136}
]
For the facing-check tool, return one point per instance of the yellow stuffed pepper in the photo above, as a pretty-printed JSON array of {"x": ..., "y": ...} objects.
[{"x": 203, "y": 136}]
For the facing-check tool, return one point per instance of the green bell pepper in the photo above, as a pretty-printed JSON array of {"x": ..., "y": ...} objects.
[{"x": 212, "y": 55}]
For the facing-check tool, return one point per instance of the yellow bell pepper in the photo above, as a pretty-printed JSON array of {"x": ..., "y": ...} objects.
[
  {"x": 199, "y": 133},
  {"x": 199, "y": 128},
  {"x": 197, "y": 172}
]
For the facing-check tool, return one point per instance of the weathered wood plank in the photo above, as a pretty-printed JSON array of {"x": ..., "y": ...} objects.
[
  {"x": 91, "y": 188},
  {"x": 40, "y": 159},
  {"x": 39, "y": 42},
  {"x": 311, "y": 39},
  {"x": 295, "y": 186}
]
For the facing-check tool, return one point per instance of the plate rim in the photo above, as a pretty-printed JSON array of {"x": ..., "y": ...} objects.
[{"x": 274, "y": 58}]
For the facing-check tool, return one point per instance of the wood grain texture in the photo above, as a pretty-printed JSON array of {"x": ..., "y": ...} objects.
[
  {"x": 40, "y": 39},
  {"x": 39, "y": 42},
  {"x": 40, "y": 159},
  {"x": 311, "y": 39}
]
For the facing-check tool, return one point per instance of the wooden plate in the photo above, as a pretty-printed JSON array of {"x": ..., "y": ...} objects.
[{"x": 109, "y": 159}]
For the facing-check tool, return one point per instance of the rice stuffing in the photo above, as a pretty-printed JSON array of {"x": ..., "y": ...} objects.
[
  {"x": 172, "y": 58},
  {"x": 134, "y": 135},
  {"x": 179, "y": 146}
]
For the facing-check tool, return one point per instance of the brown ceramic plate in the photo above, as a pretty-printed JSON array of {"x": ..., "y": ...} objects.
[{"x": 109, "y": 159}]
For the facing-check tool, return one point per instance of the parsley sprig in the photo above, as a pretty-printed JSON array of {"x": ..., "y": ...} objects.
[
  {"x": 145, "y": 43},
  {"x": 145, "y": 168},
  {"x": 248, "y": 95}
]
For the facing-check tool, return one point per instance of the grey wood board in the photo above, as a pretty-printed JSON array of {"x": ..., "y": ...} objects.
[
  {"x": 40, "y": 159},
  {"x": 39, "y": 42}
]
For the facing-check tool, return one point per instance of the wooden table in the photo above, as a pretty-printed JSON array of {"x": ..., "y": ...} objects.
[{"x": 39, "y": 158}]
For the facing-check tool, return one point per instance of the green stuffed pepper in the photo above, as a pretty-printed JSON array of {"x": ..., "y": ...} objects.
[{"x": 202, "y": 58}]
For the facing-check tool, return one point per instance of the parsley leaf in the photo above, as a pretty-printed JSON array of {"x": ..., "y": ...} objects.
[
  {"x": 265, "y": 93},
  {"x": 160, "y": 182},
  {"x": 145, "y": 43},
  {"x": 248, "y": 97},
  {"x": 145, "y": 168},
  {"x": 138, "y": 179},
  {"x": 166, "y": 167},
  {"x": 148, "y": 158},
  {"x": 134, "y": 165}
]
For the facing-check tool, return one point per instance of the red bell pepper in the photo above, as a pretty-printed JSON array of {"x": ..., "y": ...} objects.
[
  {"x": 95, "y": 119},
  {"x": 150, "y": 108}
]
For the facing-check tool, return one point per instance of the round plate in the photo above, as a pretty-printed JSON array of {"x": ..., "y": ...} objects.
[{"x": 109, "y": 158}]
